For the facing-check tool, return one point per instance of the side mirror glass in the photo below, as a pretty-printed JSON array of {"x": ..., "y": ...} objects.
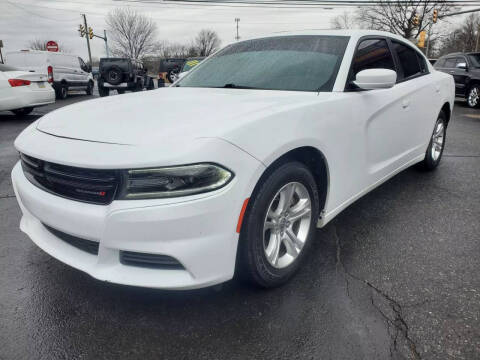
[
  {"x": 371, "y": 79},
  {"x": 462, "y": 66}
]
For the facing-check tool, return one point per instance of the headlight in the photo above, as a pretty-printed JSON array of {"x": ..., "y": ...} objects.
[{"x": 173, "y": 181}]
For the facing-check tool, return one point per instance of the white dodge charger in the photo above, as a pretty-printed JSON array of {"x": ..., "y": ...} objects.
[{"x": 258, "y": 145}]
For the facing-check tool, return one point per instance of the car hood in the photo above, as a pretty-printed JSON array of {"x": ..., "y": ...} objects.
[{"x": 167, "y": 115}]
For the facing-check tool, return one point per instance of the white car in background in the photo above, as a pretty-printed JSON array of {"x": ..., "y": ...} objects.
[
  {"x": 65, "y": 71},
  {"x": 262, "y": 142},
  {"x": 21, "y": 91}
]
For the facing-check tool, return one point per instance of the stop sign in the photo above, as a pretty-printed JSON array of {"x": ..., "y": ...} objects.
[{"x": 52, "y": 46}]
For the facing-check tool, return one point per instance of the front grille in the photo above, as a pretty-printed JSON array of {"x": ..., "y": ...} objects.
[
  {"x": 88, "y": 246},
  {"x": 150, "y": 260},
  {"x": 87, "y": 185}
]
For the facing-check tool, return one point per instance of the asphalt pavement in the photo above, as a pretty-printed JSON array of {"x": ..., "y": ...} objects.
[{"x": 396, "y": 275}]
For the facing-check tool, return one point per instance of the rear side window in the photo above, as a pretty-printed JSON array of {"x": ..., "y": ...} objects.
[
  {"x": 450, "y": 63},
  {"x": 408, "y": 60},
  {"x": 372, "y": 54},
  {"x": 440, "y": 63}
]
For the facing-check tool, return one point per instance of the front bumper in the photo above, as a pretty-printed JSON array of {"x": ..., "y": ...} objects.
[{"x": 198, "y": 231}]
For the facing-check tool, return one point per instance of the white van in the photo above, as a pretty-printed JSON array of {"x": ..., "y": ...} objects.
[{"x": 65, "y": 71}]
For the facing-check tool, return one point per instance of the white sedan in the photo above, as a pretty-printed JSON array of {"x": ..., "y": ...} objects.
[
  {"x": 21, "y": 91},
  {"x": 255, "y": 147}
]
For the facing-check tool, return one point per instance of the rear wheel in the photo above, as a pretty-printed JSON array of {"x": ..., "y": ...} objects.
[
  {"x": 62, "y": 92},
  {"x": 103, "y": 91},
  {"x": 435, "y": 148},
  {"x": 473, "y": 97},
  {"x": 279, "y": 225},
  {"x": 23, "y": 111}
]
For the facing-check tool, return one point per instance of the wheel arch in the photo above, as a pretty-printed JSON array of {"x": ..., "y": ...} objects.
[
  {"x": 447, "y": 111},
  {"x": 315, "y": 161}
]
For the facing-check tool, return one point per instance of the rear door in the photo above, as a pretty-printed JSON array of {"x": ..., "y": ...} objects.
[{"x": 418, "y": 89}]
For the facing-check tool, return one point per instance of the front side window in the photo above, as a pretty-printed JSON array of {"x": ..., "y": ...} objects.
[
  {"x": 373, "y": 54},
  {"x": 450, "y": 63},
  {"x": 294, "y": 63},
  {"x": 408, "y": 60},
  {"x": 460, "y": 60},
  {"x": 474, "y": 60}
]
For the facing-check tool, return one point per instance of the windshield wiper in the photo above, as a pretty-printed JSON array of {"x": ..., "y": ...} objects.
[{"x": 235, "y": 86}]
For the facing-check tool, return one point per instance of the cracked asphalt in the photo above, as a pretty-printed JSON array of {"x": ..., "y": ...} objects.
[{"x": 396, "y": 275}]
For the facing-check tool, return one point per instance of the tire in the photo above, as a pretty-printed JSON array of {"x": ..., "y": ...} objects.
[
  {"x": 171, "y": 75},
  {"x": 89, "y": 89},
  {"x": 103, "y": 91},
  {"x": 23, "y": 111},
  {"x": 151, "y": 85},
  {"x": 138, "y": 86},
  {"x": 260, "y": 232},
  {"x": 114, "y": 75},
  {"x": 473, "y": 96},
  {"x": 120, "y": 91},
  {"x": 62, "y": 92},
  {"x": 434, "y": 152}
]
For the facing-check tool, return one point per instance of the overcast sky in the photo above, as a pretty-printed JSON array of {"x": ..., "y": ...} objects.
[{"x": 25, "y": 20}]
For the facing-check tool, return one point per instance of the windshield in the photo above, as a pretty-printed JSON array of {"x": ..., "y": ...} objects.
[
  {"x": 296, "y": 63},
  {"x": 474, "y": 59}
]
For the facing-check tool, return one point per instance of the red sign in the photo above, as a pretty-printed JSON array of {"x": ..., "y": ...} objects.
[{"x": 52, "y": 46}]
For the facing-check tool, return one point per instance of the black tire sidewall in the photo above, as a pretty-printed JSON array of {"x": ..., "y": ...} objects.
[
  {"x": 252, "y": 254},
  {"x": 119, "y": 76},
  {"x": 90, "y": 88}
]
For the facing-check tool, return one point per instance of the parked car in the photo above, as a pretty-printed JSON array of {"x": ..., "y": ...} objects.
[
  {"x": 240, "y": 166},
  {"x": 169, "y": 68},
  {"x": 465, "y": 69},
  {"x": 65, "y": 71},
  {"x": 187, "y": 66},
  {"x": 21, "y": 91},
  {"x": 122, "y": 74}
]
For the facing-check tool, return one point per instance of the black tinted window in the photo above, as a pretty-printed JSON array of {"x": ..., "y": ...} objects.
[
  {"x": 372, "y": 54},
  {"x": 408, "y": 59},
  {"x": 450, "y": 63},
  {"x": 440, "y": 63},
  {"x": 460, "y": 60}
]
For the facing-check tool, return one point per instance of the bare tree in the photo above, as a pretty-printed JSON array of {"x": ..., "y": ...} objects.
[
  {"x": 398, "y": 17},
  {"x": 463, "y": 38},
  {"x": 206, "y": 42},
  {"x": 133, "y": 34},
  {"x": 343, "y": 21}
]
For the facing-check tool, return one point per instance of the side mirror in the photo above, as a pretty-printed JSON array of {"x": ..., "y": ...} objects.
[
  {"x": 462, "y": 66},
  {"x": 371, "y": 79}
]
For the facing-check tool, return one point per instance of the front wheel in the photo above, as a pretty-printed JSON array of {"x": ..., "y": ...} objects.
[
  {"x": 23, "y": 111},
  {"x": 89, "y": 89},
  {"x": 278, "y": 226},
  {"x": 436, "y": 145},
  {"x": 473, "y": 97}
]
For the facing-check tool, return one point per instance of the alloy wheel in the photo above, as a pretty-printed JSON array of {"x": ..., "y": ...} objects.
[
  {"x": 438, "y": 138},
  {"x": 287, "y": 225},
  {"x": 473, "y": 97}
]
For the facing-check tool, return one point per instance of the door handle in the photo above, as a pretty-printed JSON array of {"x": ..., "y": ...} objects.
[{"x": 405, "y": 104}]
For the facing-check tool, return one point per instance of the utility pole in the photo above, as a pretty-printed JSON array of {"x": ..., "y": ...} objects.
[
  {"x": 106, "y": 44},
  {"x": 1, "y": 56},
  {"x": 88, "y": 40},
  {"x": 429, "y": 37},
  {"x": 237, "y": 20}
]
